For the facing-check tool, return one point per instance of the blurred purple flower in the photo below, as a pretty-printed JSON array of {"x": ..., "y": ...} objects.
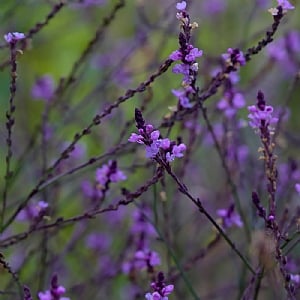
[
  {"x": 32, "y": 210},
  {"x": 229, "y": 217},
  {"x": 109, "y": 172},
  {"x": 43, "y": 88},
  {"x": 285, "y": 50},
  {"x": 213, "y": 7},
  {"x": 161, "y": 290},
  {"x": 55, "y": 293},
  {"x": 285, "y": 4},
  {"x": 297, "y": 187},
  {"x": 13, "y": 37},
  {"x": 181, "y": 5},
  {"x": 98, "y": 241}
]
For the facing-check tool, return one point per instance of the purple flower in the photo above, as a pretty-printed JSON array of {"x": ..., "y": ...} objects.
[
  {"x": 297, "y": 187},
  {"x": 284, "y": 50},
  {"x": 98, "y": 241},
  {"x": 152, "y": 150},
  {"x": 176, "y": 55},
  {"x": 136, "y": 138},
  {"x": 285, "y": 4},
  {"x": 181, "y": 5},
  {"x": 230, "y": 218},
  {"x": 213, "y": 7},
  {"x": 140, "y": 224},
  {"x": 32, "y": 211},
  {"x": 152, "y": 139},
  {"x": 56, "y": 291},
  {"x": 176, "y": 152},
  {"x": 193, "y": 54},
  {"x": 295, "y": 278},
  {"x": 142, "y": 259},
  {"x": 234, "y": 56},
  {"x": 161, "y": 290},
  {"x": 182, "y": 97},
  {"x": 181, "y": 69},
  {"x": 43, "y": 88},
  {"x": 257, "y": 115},
  {"x": 13, "y": 37},
  {"x": 165, "y": 143},
  {"x": 109, "y": 172},
  {"x": 145, "y": 258}
]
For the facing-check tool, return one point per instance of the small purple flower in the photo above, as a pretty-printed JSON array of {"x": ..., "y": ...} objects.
[
  {"x": 161, "y": 290},
  {"x": 32, "y": 211},
  {"x": 229, "y": 217},
  {"x": 213, "y": 7},
  {"x": 234, "y": 56},
  {"x": 109, "y": 172},
  {"x": 165, "y": 143},
  {"x": 193, "y": 54},
  {"x": 285, "y": 4},
  {"x": 98, "y": 241},
  {"x": 295, "y": 278},
  {"x": 152, "y": 139},
  {"x": 55, "y": 293},
  {"x": 136, "y": 138},
  {"x": 13, "y": 37},
  {"x": 145, "y": 258},
  {"x": 182, "y": 97},
  {"x": 257, "y": 115},
  {"x": 181, "y": 5},
  {"x": 176, "y": 152},
  {"x": 43, "y": 88},
  {"x": 176, "y": 55},
  {"x": 152, "y": 150},
  {"x": 142, "y": 259},
  {"x": 297, "y": 187},
  {"x": 261, "y": 115},
  {"x": 181, "y": 69}
]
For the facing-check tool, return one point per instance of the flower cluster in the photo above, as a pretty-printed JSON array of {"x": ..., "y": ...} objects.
[
  {"x": 234, "y": 58},
  {"x": 261, "y": 115},
  {"x": 187, "y": 54},
  {"x": 109, "y": 172},
  {"x": 104, "y": 176},
  {"x": 142, "y": 259},
  {"x": 155, "y": 145},
  {"x": 161, "y": 290},
  {"x": 55, "y": 293},
  {"x": 231, "y": 103},
  {"x": 13, "y": 37}
]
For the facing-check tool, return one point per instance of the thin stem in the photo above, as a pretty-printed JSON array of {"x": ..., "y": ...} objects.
[
  {"x": 9, "y": 125},
  {"x": 184, "y": 190}
]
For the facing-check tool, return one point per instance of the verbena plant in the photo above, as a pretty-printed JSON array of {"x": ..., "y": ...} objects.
[{"x": 150, "y": 150}]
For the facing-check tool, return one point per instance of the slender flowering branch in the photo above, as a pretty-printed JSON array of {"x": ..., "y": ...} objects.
[
  {"x": 262, "y": 120},
  {"x": 12, "y": 39}
]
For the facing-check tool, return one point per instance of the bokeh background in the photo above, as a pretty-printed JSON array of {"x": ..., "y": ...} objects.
[{"x": 89, "y": 255}]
